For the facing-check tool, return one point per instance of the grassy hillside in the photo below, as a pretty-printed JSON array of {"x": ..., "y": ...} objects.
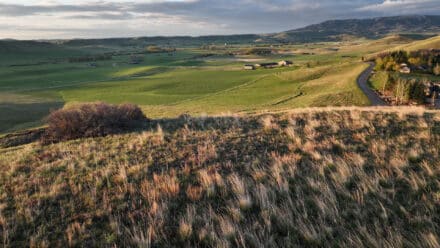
[
  {"x": 431, "y": 43},
  {"x": 32, "y": 52},
  {"x": 348, "y": 177}
]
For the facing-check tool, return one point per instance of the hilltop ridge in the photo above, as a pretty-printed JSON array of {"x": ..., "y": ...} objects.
[
  {"x": 372, "y": 28},
  {"x": 331, "y": 30}
]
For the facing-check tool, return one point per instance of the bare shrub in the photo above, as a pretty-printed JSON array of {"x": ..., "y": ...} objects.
[{"x": 91, "y": 120}]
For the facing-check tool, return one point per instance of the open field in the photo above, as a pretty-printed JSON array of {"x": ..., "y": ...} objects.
[
  {"x": 340, "y": 177},
  {"x": 433, "y": 42},
  {"x": 196, "y": 80}
]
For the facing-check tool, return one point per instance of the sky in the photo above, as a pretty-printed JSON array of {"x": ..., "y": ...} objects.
[{"x": 66, "y": 19}]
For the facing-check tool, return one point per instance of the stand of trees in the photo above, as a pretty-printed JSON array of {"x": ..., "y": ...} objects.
[
  {"x": 422, "y": 60},
  {"x": 91, "y": 58},
  {"x": 405, "y": 90},
  {"x": 157, "y": 49},
  {"x": 258, "y": 51}
]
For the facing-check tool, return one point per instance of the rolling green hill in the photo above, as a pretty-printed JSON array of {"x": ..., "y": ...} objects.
[{"x": 14, "y": 52}]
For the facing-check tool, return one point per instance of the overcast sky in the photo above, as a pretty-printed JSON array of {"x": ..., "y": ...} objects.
[{"x": 41, "y": 19}]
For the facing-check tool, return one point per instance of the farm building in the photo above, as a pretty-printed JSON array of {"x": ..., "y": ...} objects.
[
  {"x": 404, "y": 68},
  {"x": 249, "y": 67},
  {"x": 285, "y": 63},
  {"x": 269, "y": 65}
]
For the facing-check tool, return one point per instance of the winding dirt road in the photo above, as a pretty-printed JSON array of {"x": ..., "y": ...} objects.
[{"x": 362, "y": 82}]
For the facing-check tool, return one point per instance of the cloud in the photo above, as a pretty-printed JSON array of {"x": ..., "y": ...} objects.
[
  {"x": 26, "y": 10},
  {"x": 80, "y": 18},
  {"x": 404, "y": 6},
  {"x": 103, "y": 16}
]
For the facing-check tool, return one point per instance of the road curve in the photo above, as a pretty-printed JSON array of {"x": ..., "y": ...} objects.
[{"x": 362, "y": 82}]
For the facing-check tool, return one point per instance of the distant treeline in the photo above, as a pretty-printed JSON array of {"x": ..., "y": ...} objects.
[
  {"x": 91, "y": 58},
  {"x": 158, "y": 49},
  {"x": 422, "y": 60},
  {"x": 258, "y": 51}
]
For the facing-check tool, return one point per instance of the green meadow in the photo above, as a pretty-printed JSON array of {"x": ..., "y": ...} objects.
[{"x": 193, "y": 80}]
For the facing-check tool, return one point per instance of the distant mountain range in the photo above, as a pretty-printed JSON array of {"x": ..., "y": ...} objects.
[{"x": 334, "y": 30}]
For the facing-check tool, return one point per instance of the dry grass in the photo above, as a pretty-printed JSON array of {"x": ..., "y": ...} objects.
[{"x": 350, "y": 177}]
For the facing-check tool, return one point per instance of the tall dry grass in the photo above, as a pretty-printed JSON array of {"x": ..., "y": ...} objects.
[{"x": 313, "y": 178}]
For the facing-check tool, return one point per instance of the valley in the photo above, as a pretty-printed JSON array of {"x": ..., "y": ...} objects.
[{"x": 197, "y": 80}]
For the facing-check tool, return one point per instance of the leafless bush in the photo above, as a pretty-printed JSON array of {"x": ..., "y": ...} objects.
[{"x": 91, "y": 120}]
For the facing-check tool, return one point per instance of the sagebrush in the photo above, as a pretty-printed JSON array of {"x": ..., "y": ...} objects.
[{"x": 91, "y": 120}]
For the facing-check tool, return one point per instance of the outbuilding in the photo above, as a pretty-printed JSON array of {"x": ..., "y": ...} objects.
[
  {"x": 269, "y": 65},
  {"x": 249, "y": 67},
  {"x": 285, "y": 63},
  {"x": 404, "y": 68}
]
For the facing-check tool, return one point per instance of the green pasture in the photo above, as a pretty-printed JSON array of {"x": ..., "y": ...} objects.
[{"x": 190, "y": 80}]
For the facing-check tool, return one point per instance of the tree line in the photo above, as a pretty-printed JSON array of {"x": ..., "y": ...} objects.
[{"x": 90, "y": 58}]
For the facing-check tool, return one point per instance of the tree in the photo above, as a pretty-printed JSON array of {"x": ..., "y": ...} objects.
[
  {"x": 400, "y": 56},
  {"x": 391, "y": 81},
  {"x": 436, "y": 70},
  {"x": 415, "y": 61},
  {"x": 390, "y": 65},
  {"x": 386, "y": 81},
  {"x": 417, "y": 91},
  {"x": 379, "y": 64},
  {"x": 402, "y": 91}
]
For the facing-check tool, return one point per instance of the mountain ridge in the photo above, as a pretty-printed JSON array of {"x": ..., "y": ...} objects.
[
  {"x": 331, "y": 30},
  {"x": 378, "y": 27}
]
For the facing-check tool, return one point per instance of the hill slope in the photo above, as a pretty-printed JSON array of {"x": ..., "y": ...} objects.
[
  {"x": 14, "y": 52},
  {"x": 431, "y": 43},
  {"x": 326, "y": 177},
  {"x": 367, "y": 28}
]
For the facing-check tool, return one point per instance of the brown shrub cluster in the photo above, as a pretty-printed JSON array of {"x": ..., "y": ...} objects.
[{"x": 92, "y": 120}]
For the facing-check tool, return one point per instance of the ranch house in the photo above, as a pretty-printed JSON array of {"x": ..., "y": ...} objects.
[
  {"x": 285, "y": 63},
  {"x": 249, "y": 67}
]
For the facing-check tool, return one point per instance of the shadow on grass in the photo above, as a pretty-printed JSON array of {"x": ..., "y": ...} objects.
[
  {"x": 221, "y": 123},
  {"x": 168, "y": 125},
  {"x": 224, "y": 124},
  {"x": 15, "y": 116}
]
